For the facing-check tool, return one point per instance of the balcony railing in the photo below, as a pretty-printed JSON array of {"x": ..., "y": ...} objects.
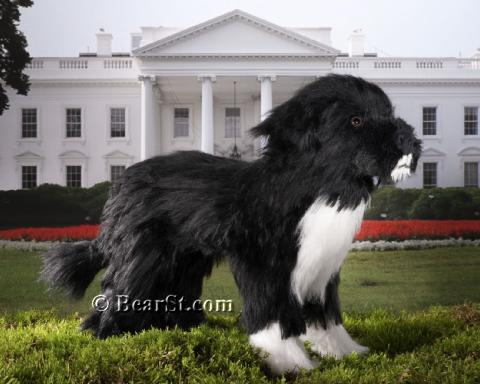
[{"x": 412, "y": 64}]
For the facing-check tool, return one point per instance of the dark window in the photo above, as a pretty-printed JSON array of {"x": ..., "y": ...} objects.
[
  {"x": 232, "y": 122},
  {"x": 116, "y": 171},
  {"x": 429, "y": 175},
  {"x": 181, "y": 122},
  {"x": 117, "y": 122},
  {"x": 74, "y": 175},
  {"x": 29, "y": 123},
  {"x": 74, "y": 122},
  {"x": 29, "y": 176},
  {"x": 471, "y": 174},
  {"x": 471, "y": 120},
  {"x": 429, "y": 120}
]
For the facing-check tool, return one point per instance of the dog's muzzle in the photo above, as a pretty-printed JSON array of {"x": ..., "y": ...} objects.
[{"x": 403, "y": 168}]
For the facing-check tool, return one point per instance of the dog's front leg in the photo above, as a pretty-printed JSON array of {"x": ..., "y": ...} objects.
[{"x": 325, "y": 331}]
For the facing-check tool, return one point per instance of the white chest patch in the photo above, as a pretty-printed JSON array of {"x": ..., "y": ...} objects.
[{"x": 325, "y": 236}]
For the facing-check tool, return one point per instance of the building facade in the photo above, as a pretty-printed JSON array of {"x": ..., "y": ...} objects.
[{"x": 88, "y": 118}]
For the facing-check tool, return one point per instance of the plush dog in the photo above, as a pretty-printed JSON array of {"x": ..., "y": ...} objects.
[{"x": 286, "y": 222}]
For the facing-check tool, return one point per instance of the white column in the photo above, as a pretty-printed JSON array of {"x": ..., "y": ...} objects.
[
  {"x": 207, "y": 144},
  {"x": 265, "y": 100},
  {"x": 147, "y": 129}
]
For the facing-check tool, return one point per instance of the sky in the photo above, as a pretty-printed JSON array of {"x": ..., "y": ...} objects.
[{"x": 392, "y": 27}]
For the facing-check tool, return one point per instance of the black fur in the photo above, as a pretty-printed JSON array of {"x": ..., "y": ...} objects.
[{"x": 170, "y": 218}]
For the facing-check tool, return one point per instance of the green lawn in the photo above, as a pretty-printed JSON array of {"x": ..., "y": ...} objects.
[
  {"x": 437, "y": 345},
  {"x": 403, "y": 280}
]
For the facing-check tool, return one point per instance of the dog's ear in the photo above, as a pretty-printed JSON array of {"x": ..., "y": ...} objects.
[{"x": 289, "y": 126}]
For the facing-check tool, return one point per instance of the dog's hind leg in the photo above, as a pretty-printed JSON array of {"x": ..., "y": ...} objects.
[
  {"x": 325, "y": 329},
  {"x": 144, "y": 287}
]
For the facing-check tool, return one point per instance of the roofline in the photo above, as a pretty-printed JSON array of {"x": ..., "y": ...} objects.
[{"x": 142, "y": 51}]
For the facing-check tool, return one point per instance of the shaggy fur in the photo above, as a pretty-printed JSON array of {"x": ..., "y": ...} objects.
[{"x": 171, "y": 218}]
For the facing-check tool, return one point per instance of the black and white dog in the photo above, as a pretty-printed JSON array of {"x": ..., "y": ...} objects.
[{"x": 286, "y": 222}]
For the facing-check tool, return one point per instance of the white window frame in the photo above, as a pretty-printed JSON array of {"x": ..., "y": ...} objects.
[
  {"x": 74, "y": 157},
  {"x": 21, "y": 175},
  {"x": 437, "y": 121},
  {"x": 21, "y": 139},
  {"x": 82, "y": 137},
  {"x": 478, "y": 172},
  {"x": 29, "y": 159},
  {"x": 476, "y": 136},
  {"x": 190, "y": 123},
  {"x": 74, "y": 164},
  {"x": 240, "y": 118},
  {"x": 436, "y": 176},
  {"x": 116, "y": 158},
  {"x": 108, "y": 131},
  {"x": 110, "y": 170}
]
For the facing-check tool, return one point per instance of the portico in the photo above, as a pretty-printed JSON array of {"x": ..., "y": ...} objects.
[{"x": 193, "y": 72}]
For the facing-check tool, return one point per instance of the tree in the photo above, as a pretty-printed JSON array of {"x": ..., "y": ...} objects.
[{"x": 13, "y": 54}]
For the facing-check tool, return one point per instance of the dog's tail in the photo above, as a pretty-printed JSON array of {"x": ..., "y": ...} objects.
[{"x": 72, "y": 267}]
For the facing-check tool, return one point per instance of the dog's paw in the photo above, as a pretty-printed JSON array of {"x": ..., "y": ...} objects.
[
  {"x": 333, "y": 341},
  {"x": 281, "y": 355}
]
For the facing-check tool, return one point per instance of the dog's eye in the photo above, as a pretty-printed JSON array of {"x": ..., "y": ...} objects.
[{"x": 356, "y": 121}]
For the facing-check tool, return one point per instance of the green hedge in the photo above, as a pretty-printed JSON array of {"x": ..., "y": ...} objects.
[
  {"x": 53, "y": 205},
  {"x": 392, "y": 203}
]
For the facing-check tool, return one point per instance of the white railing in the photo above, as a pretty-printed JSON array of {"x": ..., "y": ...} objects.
[
  {"x": 117, "y": 63},
  {"x": 429, "y": 64},
  {"x": 409, "y": 64},
  {"x": 387, "y": 64},
  {"x": 73, "y": 64},
  {"x": 35, "y": 64},
  {"x": 346, "y": 64}
]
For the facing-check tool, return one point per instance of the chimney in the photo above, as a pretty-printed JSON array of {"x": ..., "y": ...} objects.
[
  {"x": 104, "y": 43},
  {"x": 148, "y": 35},
  {"x": 356, "y": 43}
]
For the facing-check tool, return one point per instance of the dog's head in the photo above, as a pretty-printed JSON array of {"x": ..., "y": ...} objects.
[{"x": 347, "y": 122}]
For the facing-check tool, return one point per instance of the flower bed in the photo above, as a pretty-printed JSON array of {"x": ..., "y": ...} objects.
[
  {"x": 372, "y": 230},
  {"x": 75, "y": 233}
]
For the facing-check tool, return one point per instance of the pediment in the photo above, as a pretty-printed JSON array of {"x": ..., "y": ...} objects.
[
  {"x": 235, "y": 33},
  {"x": 72, "y": 155},
  {"x": 117, "y": 155},
  {"x": 432, "y": 152},
  {"x": 28, "y": 156},
  {"x": 470, "y": 151}
]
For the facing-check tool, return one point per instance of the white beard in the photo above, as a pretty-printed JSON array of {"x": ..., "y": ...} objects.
[{"x": 402, "y": 169}]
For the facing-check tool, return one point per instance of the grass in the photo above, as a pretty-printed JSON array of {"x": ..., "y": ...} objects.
[
  {"x": 408, "y": 344},
  {"x": 441, "y": 345},
  {"x": 397, "y": 280}
]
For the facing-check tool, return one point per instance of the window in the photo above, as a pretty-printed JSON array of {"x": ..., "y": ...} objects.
[
  {"x": 29, "y": 176},
  {"x": 73, "y": 122},
  {"x": 29, "y": 123},
  {"x": 117, "y": 122},
  {"x": 429, "y": 175},
  {"x": 471, "y": 174},
  {"x": 429, "y": 121},
  {"x": 116, "y": 171},
  {"x": 74, "y": 175},
  {"x": 471, "y": 120},
  {"x": 232, "y": 122},
  {"x": 181, "y": 122}
]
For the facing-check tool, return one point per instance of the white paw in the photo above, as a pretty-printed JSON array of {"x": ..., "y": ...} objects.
[
  {"x": 334, "y": 341},
  {"x": 281, "y": 355}
]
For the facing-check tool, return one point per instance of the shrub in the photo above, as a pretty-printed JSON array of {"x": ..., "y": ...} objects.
[
  {"x": 389, "y": 203},
  {"x": 52, "y": 205}
]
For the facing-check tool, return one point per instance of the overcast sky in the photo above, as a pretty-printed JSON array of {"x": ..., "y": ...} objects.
[{"x": 392, "y": 27}]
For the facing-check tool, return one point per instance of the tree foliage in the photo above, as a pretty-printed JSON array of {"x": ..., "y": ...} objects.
[{"x": 13, "y": 54}]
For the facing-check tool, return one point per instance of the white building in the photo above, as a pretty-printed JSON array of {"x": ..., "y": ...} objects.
[{"x": 87, "y": 118}]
